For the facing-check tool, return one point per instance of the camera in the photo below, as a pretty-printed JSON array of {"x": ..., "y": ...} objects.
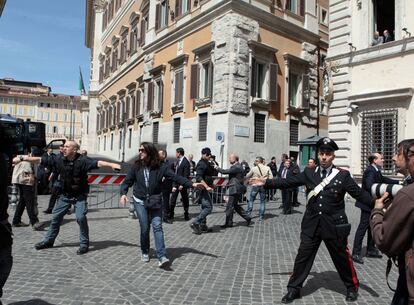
[{"x": 379, "y": 189}]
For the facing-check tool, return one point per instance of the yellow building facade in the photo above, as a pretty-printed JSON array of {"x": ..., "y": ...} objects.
[{"x": 181, "y": 73}]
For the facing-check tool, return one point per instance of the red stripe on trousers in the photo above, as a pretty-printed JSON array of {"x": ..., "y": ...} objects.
[{"x": 351, "y": 265}]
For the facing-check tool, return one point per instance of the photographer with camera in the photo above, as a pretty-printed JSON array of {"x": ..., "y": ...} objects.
[
  {"x": 372, "y": 174},
  {"x": 392, "y": 226},
  {"x": 73, "y": 169}
]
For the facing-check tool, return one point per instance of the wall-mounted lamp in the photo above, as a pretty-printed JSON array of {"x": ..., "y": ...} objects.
[
  {"x": 406, "y": 32},
  {"x": 352, "y": 108},
  {"x": 351, "y": 46}
]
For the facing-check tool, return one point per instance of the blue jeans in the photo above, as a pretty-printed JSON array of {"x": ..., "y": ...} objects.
[
  {"x": 153, "y": 217},
  {"x": 59, "y": 211},
  {"x": 206, "y": 207},
  {"x": 261, "y": 191}
]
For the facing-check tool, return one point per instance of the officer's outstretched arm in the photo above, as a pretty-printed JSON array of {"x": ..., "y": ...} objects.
[{"x": 114, "y": 166}]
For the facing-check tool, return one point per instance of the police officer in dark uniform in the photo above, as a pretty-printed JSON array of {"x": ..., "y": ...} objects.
[
  {"x": 324, "y": 219},
  {"x": 54, "y": 181},
  {"x": 204, "y": 173},
  {"x": 73, "y": 170}
]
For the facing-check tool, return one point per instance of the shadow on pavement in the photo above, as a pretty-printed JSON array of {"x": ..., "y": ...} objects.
[
  {"x": 32, "y": 302},
  {"x": 99, "y": 245},
  {"x": 174, "y": 253},
  {"x": 330, "y": 280}
]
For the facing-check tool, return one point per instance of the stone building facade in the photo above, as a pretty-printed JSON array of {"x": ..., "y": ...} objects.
[
  {"x": 369, "y": 81},
  {"x": 35, "y": 102},
  {"x": 185, "y": 73}
]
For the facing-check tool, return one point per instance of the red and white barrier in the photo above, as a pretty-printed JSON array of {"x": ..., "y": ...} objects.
[
  {"x": 105, "y": 179},
  {"x": 220, "y": 181}
]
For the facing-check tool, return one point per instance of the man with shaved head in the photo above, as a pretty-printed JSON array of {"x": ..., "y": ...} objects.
[
  {"x": 235, "y": 191},
  {"x": 372, "y": 174},
  {"x": 73, "y": 170}
]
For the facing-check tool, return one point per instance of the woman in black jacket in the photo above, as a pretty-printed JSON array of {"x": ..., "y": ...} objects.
[{"x": 146, "y": 177}]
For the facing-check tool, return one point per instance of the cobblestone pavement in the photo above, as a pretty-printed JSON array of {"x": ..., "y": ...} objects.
[{"x": 240, "y": 265}]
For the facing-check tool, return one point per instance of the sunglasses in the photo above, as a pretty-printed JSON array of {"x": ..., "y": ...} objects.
[{"x": 141, "y": 150}]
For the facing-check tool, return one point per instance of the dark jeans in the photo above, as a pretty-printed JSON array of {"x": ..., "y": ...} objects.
[
  {"x": 6, "y": 263},
  {"x": 206, "y": 207},
  {"x": 363, "y": 227},
  {"x": 63, "y": 205},
  {"x": 173, "y": 201},
  {"x": 233, "y": 205},
  {"x": 26, "y": 199},
  {"x": 153, "y": 217},
  {"x": 338, "y": 250}
]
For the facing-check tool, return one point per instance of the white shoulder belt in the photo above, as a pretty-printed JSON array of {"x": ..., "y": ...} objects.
[{"x": 324, "y": 183}]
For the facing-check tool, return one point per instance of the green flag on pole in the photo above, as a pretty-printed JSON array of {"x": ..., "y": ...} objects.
[{"x": 81, "y": 84}]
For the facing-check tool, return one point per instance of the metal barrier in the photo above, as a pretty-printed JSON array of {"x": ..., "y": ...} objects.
[{"x": 104, "y": 191}]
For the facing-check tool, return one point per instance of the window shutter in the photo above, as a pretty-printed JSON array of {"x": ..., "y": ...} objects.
[
  {"x": 150, "y": 99},
  {"x": 142, "y": 38},
  {"x": 305, "y": 91},
  {"x": 188, "y": 5},
  {"x": 178, "y": 88},
  {"x": 211, "y": 80},
  {"x": 177, "y": 8},
  {"x": 157, "y": 16},
  {"x": 288, "y": 5},
  {"x": 194, "y": 82},
  {"x": 273, "y": 82},
  {"x": 302, "y": 7},
  {"x": 161, "y": 96},
  {"x": 138, "y": 103},
  {"x": 253, "y": 78}
]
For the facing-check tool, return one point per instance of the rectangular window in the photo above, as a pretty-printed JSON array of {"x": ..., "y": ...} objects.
[
  {"x": 259, "y": 128},
  {"x": 178, "y": 86},
  {"x": 20, "y": 111},
  {"x": 56, "y": 116},
  {"x": 293, "y": 132},
  {"x": 379, "y": 135},
  {"x": 158, "y": 95},
  {"x": 112, "y": 141},
  {"x": 259, "y": 79},
  {"x": 104, "y": 148},
  {"x": 155, "y": 131},
  {"x": 176, "y": 132},
  {"x": 296, "y": 6},
  {"x": 294, "y": 82},
  {"x": 55, "y": 129},
  {"x": 161, "y": 15},
  {"x": 202, "y": 127},
  {"x": 130, "y": 138},
  {"x": 120, "y": 140},
  {"x": 205, "y": 79}
]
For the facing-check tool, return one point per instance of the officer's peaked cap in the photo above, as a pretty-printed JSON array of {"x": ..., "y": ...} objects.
[{"x": 326, "y": 144}]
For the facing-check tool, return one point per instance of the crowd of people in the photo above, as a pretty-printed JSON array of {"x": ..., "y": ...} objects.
[{"x": 157, "y": 183}]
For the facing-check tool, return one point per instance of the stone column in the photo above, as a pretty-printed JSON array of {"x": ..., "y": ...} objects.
[{"x": 231, "y": 34}]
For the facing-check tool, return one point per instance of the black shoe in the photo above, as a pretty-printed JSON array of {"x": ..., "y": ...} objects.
[
  {"x": 196, "y": 228},
  {"x": 205, "y": 229},
  {"x": 47, "y": 211},
  {"x": 82, "y": 250},
  {"x": 43, "y": 245},
  {"x": 186, "y": 216},
  {"x": 351, "y": 295},
  {"x": 226, "y": 226},
  {"x": 20, "y": 224},
  {"x": 248, "y": 222},
  {"x": 292, "y": 295},
  {"x": 357, "y": 259},
  {"x": 374, "y": 254}
]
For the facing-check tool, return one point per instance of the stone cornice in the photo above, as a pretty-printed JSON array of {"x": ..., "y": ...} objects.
[
  {"x": 399, "y": 94},
  {"x": 261, "y": 46},
  {"x": 180, "y": 59},
  {"x": 292, "y": 59},
  {"x": 205, "y": 48},
  {"x": 157, "y": 70}
]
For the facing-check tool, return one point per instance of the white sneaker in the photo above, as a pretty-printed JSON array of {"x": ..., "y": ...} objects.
[
  {"x": 163, "y": 262},
  {"x": 145, "y": 258}
]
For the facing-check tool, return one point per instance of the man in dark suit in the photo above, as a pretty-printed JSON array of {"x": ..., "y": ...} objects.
[
  {"x": 283, "y": 158},
  {"x": 235, "y": 191},
  {"x": 287, "y": 193},
  {"x": 371, "y": 175},
  {"x": 182, "y": 168},
  {"x": 324, "y": 218},
  {"x": 270, "y": 194}
]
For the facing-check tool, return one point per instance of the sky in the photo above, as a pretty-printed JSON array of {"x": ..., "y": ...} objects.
[{"x": 43, "y": 41}]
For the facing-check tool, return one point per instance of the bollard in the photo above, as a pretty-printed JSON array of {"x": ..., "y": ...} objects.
[{"x": 13, "y": 195}]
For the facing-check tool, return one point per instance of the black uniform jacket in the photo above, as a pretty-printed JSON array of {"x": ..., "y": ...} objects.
[
  {"x": 136, "y": 178},
  {"x": 328, "y": 207},
  {"x": 372, "y": 175}
]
